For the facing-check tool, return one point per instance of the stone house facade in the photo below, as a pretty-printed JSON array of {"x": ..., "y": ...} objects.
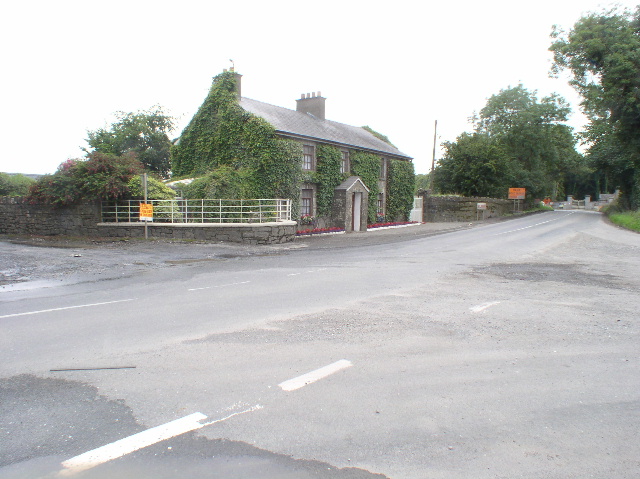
[{"x": 307, "y": 124}]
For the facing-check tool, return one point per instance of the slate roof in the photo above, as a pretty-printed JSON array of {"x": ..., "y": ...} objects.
[{"x": 303, "y": 125}]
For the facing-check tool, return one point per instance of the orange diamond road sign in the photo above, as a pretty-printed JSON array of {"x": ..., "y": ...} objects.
[
  {"x": 146, "y": 212},
  {"x": 517, "y": 193}
]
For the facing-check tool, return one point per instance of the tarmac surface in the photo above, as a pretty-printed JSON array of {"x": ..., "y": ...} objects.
[{"x": 34, "y": 261}]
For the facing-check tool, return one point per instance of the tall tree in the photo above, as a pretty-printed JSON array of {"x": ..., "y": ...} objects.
[
  {"x": 519, "y": 141},
  {"x": 144, "y": 133},
  {"x": 602, "y": 54}
]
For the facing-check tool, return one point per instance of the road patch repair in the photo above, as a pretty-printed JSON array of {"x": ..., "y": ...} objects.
[{"x": 192, "y": 422}]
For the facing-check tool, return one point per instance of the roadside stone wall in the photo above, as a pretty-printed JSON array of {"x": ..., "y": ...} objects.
[
  {"x": 18, "y": 217},
  {"x": 437, "y": 209},
  {"x": 257, "y": 233}
]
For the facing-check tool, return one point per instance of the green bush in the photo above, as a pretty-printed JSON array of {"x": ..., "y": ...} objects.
[
  {"x": 156, "y": 189},
  {"x": 14, "y": 185}
]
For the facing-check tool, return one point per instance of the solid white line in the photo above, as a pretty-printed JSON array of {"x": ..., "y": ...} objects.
[
  {"x": 313, "y": 376},
  {"x": 132, "y": 443},
  {"x": 482, "y": 307},
  {"x": 219, "y": 286},
  {"x": 62, "y": 309}
]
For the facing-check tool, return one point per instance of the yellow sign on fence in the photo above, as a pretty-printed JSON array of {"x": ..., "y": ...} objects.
[{"x": 146, "y": 212}]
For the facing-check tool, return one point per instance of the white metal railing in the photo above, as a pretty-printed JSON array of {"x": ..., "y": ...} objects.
[{"x": 200, "y": 211}]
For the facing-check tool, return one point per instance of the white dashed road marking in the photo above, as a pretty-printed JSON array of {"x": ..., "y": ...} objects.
[
  {"x": 482, "y": 307},
  {"x": 132, "y": 443},
  {"x": 219, "y": 286},
  {"x": 180, "y": 426},
  {"x": 313, "y": 376},
  {"x": 141, "y": 440}
]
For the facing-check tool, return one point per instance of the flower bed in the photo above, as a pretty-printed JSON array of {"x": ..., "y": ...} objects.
[
  {"x": 391, "y": 223},
  {"x": 316, "y": 231}
]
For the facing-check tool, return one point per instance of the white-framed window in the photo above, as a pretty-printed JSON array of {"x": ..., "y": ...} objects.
[
  {"x": 306, "y": 202},
  {"x": 380, "y": 211},
  {"x": 308, "y": 157},
  {"x": 344, "y": 166}
]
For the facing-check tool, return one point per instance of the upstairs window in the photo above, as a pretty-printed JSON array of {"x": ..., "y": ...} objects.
[
  {"x": 344, "y": 166},
  {"x": 308, "y": 157}
]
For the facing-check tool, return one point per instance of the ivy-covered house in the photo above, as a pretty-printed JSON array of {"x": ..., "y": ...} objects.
[{"x": 335, "y": 174}]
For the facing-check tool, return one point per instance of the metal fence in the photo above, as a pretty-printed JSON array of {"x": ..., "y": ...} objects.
[{"x": 200, "y": 211}]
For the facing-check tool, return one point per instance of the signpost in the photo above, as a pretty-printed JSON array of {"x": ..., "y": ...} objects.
[
  {"x": 517, "y": 194},
  {"x": 480, "y": 207},
  {"x": 146, "y": 209}
]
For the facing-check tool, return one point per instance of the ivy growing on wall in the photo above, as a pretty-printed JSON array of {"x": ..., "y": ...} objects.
[
  {"x": 239, "y": 155},
  {"x": 400, "y": 185},
  {"x": 367, "y": 167},
  {"x": 328, "y": 176},
  {"x": 252, "y": 160}
]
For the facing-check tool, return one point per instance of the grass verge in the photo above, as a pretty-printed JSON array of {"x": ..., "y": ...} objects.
[{"x": 629, "y": 220}]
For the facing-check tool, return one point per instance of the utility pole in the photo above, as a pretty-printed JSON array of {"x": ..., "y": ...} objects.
[{"x": 433, "y": 158}]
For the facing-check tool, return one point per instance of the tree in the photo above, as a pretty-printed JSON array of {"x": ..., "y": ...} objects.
[
  {"x": 474, "y": 165},
  {"x": 144, "y": 133},
  {"x": 602, "y": 54},
  {"x": 518, "y": 141},
  {"x": 423, "y": 182}
]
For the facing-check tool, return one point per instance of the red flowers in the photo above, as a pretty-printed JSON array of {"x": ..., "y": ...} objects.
[
  {"x": 314, "y": 231},
  {"x": 391, "y": 223}
]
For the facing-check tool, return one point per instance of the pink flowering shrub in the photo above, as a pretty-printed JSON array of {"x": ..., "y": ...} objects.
[{"x": 99, "y": 177}]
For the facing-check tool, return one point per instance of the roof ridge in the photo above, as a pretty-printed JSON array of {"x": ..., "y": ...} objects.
[{"x": 299, "y": 123}]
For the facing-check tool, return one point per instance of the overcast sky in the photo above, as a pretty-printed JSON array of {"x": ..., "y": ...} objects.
[{"x": 396, "y": 66}]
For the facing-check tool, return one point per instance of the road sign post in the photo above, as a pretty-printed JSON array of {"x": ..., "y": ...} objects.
[
  {"x": 517, "y": 194},
  {"x": 480, "y": 207}
]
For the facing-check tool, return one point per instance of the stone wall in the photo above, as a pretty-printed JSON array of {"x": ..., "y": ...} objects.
[
  {"x": 255, "y": 233},
  {"x": 17, "y": 217},
  {"x": 438, "y": 209}
]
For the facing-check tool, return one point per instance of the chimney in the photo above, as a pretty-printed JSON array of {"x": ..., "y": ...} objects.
[
  {"x": 312, "y": 103},
  {"x": 238, "y": 79}
]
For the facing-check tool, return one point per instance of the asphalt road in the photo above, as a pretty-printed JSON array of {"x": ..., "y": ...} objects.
[{"x": 503, "y": 350}]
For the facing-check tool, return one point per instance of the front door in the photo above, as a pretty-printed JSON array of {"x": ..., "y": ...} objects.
[{"x": 357, "y": 208}]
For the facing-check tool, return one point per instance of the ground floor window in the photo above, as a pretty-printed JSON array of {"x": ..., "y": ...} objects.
[
  {"x": 380, "y": 211},
  {"x": 306, "y": 205}
]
